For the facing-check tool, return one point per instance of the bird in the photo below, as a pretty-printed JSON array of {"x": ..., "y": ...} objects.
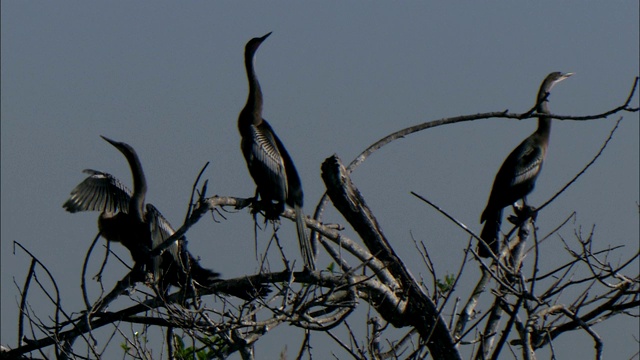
[
  {"x": 125, "y": 219},
  {"x": 268, "y": 161},
  {"x": 519, "y": 171}
]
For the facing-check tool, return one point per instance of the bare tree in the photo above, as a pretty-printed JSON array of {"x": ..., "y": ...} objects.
[{"x": 407, "y": 318}]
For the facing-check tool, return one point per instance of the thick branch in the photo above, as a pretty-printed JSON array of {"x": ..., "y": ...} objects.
[{"x": 421, "y": 312}]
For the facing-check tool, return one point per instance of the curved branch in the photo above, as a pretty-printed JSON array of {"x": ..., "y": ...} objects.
[
  {"x": 505, "y": 114},
  {"x": 495, "y": 114}
]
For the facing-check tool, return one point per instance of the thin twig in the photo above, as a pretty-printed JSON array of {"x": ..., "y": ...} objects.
[
  {"x": 83, "y": 283},
  {"x": 193, "y": 192},
  {"x": 584, "y": 169},
  {"x": 23, "y": 300}
]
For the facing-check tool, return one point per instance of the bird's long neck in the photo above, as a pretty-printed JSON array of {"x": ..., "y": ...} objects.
[
  {"x": 544, "y": 122},
  {"x": 252, "y": 111},
  {"x": 139, "y": 186}
]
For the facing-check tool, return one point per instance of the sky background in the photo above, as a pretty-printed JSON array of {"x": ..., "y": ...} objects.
[{"x": 168, "y": 78}]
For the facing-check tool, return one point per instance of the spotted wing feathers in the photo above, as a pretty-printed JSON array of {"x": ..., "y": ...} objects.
[
  {"x": 266, "y": 162},
  {"x": 161, "y": 230},
  {"x": 529, "y": 164}
]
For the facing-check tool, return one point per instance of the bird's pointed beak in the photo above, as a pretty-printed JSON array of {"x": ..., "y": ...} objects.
[
  {"x": 112, "y": 142},
  {"x": 265, "y": 36},
  {"x": 566, "y": 75},
  {"x": 116, "y": 144},
  {"x": 262, "y": 38},
  {"x": 561, "y": 78}
]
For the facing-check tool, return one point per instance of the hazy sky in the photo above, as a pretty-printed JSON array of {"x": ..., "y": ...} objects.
[{"x": 168, "y": 78}]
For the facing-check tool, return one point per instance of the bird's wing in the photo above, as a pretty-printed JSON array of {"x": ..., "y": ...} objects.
[
  {"x": 529, "y": 164},
  {"x": 99, "y": 192},
  {"x": 294, "y": 195},
  {"x": 521, "y": 166},
  {"x": 160, "y": 230},
  {"x": 265, "y": 160}
]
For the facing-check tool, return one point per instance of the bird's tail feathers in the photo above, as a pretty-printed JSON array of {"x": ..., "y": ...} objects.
[
  {"x": 305, "y": 244},
  {"x": 203, "y": 277},
  {"x": 490, "y": 234},
  {"x": 206, "y": 278}
]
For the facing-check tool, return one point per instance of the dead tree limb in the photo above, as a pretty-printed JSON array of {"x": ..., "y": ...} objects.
[{"x": 421, "y": 311}]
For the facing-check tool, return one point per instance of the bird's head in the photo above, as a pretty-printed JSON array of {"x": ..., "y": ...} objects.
[
  {"x": 550, "y": 81},
  {"x": 253, "y": 44},
  {"x": 124, "y": 148},
  {"x": 554, "y": 78}
]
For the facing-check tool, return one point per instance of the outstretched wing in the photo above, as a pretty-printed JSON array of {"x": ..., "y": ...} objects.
[{"x": 99, "y": 192}]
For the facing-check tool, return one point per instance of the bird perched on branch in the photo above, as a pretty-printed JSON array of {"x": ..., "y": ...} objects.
[
  {"x": 268, "y": 161},
  {"x": 517, "y": 175},
  {"x": 125, "y": 219}
]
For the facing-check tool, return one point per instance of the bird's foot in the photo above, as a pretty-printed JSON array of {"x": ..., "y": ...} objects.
[
  {"x": 256, "y": 205},
  {"x": 523, "y": 214},
  {"x": 270, "y": 211},
  {"x": 138, "y": 273}
]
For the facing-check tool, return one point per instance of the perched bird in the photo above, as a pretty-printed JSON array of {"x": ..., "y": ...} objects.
[
  {"x": 268, "y": 161},
  {"x": 126, "y": 220},
  {"x": 517, "y": 175}
]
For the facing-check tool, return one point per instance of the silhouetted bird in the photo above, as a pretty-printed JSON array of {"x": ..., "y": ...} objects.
[
  {"x": 268, "y": 161},
  {"x": 517, "y": 175},
  {"x": 126, "y": 220}
]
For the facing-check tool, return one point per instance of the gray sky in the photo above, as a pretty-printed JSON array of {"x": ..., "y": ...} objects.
[{"x": 168, "y": 78}]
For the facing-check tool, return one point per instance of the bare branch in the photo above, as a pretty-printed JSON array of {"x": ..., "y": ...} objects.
[
  {"x": 584, "y": 169},
  {"x": 23, "y": 300},
  {"x": 83, "y": 283},
  {"x": 495, "y": 114},
  {"x": 193, "y": 192},
  {"x": 444, "y": 121},
  {"x": 469, "y": 308},
  {"x": 421, "y": 311},
  {"x": 322, "y": 300}
]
